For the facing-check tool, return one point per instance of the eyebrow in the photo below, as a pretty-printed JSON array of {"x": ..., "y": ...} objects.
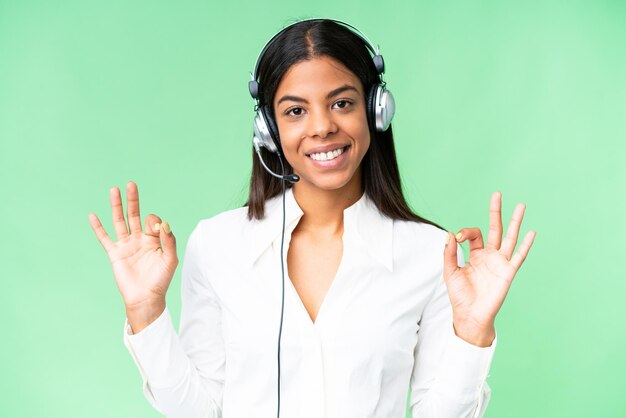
[{"x": 333, "y": 93}]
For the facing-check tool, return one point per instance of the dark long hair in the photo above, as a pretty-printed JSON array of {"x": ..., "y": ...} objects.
[{"x": 379, "y": 167}]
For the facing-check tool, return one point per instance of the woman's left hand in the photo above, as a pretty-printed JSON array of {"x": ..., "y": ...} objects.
[{"x": 477, "y": 290}]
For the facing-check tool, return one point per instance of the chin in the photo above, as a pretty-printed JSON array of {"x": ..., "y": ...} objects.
[{"x": 326, "y": 182}]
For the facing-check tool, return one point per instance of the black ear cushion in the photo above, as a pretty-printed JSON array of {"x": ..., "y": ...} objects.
[
  {"x": 271, "y": 125},
  {"x": 371, "y": 108}
]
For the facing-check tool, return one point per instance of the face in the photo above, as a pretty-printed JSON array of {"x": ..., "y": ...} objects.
[{"x": 319, "y": 108}]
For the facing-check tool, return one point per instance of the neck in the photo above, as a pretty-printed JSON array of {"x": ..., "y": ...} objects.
[{"x": 323, "y": 209}]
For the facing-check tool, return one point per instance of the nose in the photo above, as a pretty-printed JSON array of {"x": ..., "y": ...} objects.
[{"x": 321, "y": 124}]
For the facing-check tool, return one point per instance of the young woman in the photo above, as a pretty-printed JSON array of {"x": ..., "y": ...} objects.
[{"x": 378, "y": 311}]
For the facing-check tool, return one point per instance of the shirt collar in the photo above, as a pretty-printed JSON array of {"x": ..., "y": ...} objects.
[{"x": 362, "y": 224}]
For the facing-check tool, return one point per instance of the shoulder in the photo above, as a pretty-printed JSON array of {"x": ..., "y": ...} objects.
[
  {"x": 229, "y": 220},
  {"x": 418, "y": 250},
  {"x": 412, "y": 237},
  {"x": 414, "y": 233},
  {"x": 223, "y": 230}
]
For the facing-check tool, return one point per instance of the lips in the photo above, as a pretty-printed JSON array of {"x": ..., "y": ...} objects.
[{"x": 336, "y": 160}]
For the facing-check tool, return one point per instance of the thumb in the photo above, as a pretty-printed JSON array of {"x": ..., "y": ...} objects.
[
  {"x": 168, "y": 244},
  {"x": 449, "y": 256}
]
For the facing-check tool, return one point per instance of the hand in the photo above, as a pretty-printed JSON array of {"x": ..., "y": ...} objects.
[
  {"x": 477, "y": 290},
  {"x": 143, "y": 263}
]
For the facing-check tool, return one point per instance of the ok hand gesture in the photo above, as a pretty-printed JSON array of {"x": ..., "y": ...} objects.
[
  {"x": 143, "y": 263},
  {"x": 477, "y": 290}
]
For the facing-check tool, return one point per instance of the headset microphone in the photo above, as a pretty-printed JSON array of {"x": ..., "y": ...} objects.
[{"x": 292, "y": 178}]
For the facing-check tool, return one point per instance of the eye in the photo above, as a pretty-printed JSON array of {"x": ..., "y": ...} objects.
[
  {"x": 297, "y": 111},
  {"x": 343, "y": 104}
]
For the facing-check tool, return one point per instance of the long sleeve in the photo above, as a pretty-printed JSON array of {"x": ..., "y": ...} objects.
[
  {"x": 183, "y": 376},
  {"x": 449, "y": 374}
]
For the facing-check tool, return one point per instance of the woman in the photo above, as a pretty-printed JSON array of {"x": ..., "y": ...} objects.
[{"x": 376, "y": 302}]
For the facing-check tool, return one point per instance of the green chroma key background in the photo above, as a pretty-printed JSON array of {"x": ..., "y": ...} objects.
[{"x": 528, "y": 98}]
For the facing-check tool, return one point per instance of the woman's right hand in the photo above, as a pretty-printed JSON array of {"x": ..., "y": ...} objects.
[{"x": 143, "y": 262}]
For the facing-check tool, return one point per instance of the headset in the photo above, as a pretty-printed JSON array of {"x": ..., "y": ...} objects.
[{"x": 380, "y": 108}]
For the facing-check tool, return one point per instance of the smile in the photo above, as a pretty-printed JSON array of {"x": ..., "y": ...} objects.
[{"x": 326, "y": 156}]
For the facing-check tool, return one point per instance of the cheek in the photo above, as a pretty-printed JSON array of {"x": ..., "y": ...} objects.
[
  {"x": 289, "y": 134},
  {"x": 359, "y": 123},
  {"x": 361, "y": 133},
  {"x": 290, "y": 143}
]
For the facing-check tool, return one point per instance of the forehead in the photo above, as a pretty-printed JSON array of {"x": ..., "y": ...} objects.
[{"x": 316, "y": 75}]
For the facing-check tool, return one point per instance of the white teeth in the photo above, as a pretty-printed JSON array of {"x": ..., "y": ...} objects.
[{"x": 324, "y": 156}]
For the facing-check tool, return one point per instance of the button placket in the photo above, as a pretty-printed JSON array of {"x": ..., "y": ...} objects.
[
  {"x": 321, "y": 369},
  {"x": 315, "y": 404}
]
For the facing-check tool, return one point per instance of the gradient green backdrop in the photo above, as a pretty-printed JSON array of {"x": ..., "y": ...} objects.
[{"x": 528, "y": 98}]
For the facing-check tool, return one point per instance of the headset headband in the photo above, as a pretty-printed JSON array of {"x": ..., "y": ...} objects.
[{"x": 378, "y": 61}]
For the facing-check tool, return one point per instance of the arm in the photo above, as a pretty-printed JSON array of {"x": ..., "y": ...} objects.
[
  {"x": 183, "y": 376},
  {"x": 449, "y": 374},
  {"x": 453, "y": 384}
]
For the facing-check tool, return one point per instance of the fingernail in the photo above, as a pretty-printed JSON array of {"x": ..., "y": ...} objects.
[
  {"x": 166, "y": 227},
  {"x": 447, "y": 238},
  {"x": 459, "y": 236},
  {"x": 157, "y": 226}
]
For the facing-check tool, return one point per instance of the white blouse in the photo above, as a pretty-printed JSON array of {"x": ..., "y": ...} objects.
[{"x": 382, "y": 341}]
